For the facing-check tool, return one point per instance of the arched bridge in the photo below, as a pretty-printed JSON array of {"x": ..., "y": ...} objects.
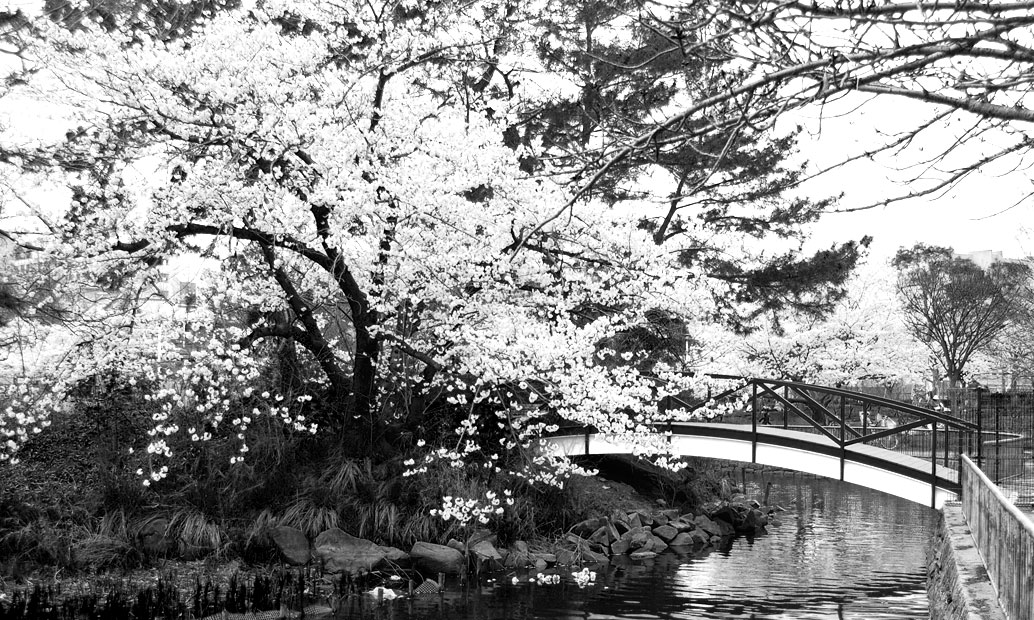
[{"x": 900, "y": 448}]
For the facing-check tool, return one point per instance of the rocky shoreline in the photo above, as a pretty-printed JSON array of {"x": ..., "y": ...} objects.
[{"x": 639, "y": 535}]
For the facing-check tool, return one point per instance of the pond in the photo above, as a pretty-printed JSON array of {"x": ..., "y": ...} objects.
[{"x": 841, "y": 551}]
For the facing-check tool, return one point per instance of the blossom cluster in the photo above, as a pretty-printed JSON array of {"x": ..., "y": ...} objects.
[{"x": 465, "y": 511}]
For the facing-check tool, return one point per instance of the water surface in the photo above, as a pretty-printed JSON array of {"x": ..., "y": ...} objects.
[{"x": 840, "y": 552}]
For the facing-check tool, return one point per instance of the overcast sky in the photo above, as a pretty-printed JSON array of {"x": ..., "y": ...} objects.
[{"x": 977, "y": 215}]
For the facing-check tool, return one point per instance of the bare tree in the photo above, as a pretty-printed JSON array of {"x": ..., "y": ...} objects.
[{"x": 955, "y": 307}]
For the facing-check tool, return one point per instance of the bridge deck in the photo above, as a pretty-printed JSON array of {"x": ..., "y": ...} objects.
[
  {"x": 816, "y": 443},
  {"x": 886, "y": 470}
]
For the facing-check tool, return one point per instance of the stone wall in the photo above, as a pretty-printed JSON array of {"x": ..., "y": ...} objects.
[{"x": 957, "y": 582}]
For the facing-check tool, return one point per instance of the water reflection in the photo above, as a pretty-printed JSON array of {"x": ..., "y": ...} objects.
[{"x": 842, "y": 552}]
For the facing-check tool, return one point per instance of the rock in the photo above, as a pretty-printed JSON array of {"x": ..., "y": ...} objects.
[
  {"x": 434, "y": 559},
  {"x": 154, "y": 538},
  {"x": 619, "y": 547},
  {"x": 601, "y": 536},
  {"x": 682, "y": 539},
  {"x": 585, "y": 528},
  {"x": 292, "y": 544},
  {"x": 700, "y": 537},
  {"x": 457, "y": 545},
  {"x": 704, "y": 523},
  {"x": 729, "y": 515},
  {"x": 618, "y": 516},
  {"x": 665, "y": 532},
  {"x": 588, "y": 555},
  {"x": 715, "y": 540},
  {"x": 671, "y": 514},
  {"x": 754, "y": 504},
  {"x": 485, "y": 550},
  {"x": 643, "y": 555},
  {"x": 611, "y": 529},
  {"x": 480, "y": 535},
  {"x": 565, "y": 557},
  {"x": 395, "y": 556},
  {"x": 634, "y": 520},
  {"x": 681, "y": 526},
  {"x": 540, "y": 565},
  {"x": 724, "y": 529},
  {"x": 521, "y": 547},
  {"x": 548, "y": 558},
  {"x": 638, "y": 537},
  {"x": 655, "y": 544},
  {"x": 659, "y": 520},
  {"x": 341, "y": 552}
]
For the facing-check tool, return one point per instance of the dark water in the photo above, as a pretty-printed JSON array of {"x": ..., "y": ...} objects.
[{"x": 841, "y": 552}]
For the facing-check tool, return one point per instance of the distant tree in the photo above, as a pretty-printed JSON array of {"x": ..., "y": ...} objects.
[{"x": 955, "y": 307}]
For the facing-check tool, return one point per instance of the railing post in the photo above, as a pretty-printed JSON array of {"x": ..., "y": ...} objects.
[
  {"x": 980, "y": 430},
  {"x": 998, "y": 447},
  {"x": 754, "y": 425},
  {"x": 843, "y": 437},
  {"x": 933, "y": 466},
  {"x": 586, "y": 441}
]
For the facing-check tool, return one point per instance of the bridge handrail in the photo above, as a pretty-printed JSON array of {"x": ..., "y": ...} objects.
[{"x": 928, "y": 414}]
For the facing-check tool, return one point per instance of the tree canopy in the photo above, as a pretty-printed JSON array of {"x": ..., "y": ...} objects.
[{"x": 955, "y": 307}]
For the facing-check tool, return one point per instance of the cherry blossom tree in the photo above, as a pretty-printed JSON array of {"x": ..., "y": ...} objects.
[{"x": 348, "y": 178}]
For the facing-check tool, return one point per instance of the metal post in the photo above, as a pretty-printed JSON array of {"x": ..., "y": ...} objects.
[
  {"x": 754, "y": 425},
  {"x": 998, "y": 447},
  {"x": 980, "y": 430},
  {"x": 586, "y": 442},
  {"x": 933, "y": 467},
  {"x": 843, "y": 437}
]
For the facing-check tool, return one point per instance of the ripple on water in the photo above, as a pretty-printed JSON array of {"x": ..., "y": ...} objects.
[{"x": 842, "y": 552}]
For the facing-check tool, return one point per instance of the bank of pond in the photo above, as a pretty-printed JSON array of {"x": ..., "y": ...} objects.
[{"x": 840, "y": 552}]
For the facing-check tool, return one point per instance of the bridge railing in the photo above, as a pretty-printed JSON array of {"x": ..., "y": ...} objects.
[
  {"x": 849, "y": 418},
  {"x": 1004, "y": 536}
]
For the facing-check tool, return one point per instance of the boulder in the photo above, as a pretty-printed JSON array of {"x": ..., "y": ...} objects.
[
  {"x": 154, "y": 538},
  {"x": 457, "y": 545},
  {"x": 341, "y": 552},
  {"x": 395, "y": 556},
  {"x": 655, "y": 544},
  {"x": 588, "y": 555},
  {"x": 643, "y": 555},
  {"x": 634, "y": 520},
  {"x": 724, "y": 529},
  {"x": 700, "y": 537},
  {"x": 618, "y": 516},
  {"x": 681, "y": 526},
  {"x": 485, "y": 550},
  {"x": 601, "y": 535},
  {"x": 638, "y": 537},
  {"x": 619, "y": 547},
  {"x": 704, "y": 523},
  {"x": 292, "y": 544},
  {"x": 565, "y": 557},
  {"x": 480, "y": 535},
  {"x": 665, "y": 532},
  {"x": 585, "y": 528},
  {"x": 433, "y": 559},
  {"x": 660, "y": 519},
  {"x": 682, "y": 539},
  {"x": 548, "y": 558}
]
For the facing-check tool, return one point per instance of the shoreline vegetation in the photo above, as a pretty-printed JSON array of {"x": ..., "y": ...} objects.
[{"x": 299, "y": 524}]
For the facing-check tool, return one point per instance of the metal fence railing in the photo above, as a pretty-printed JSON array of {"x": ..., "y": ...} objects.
[{"x": 1004, "y": 536}]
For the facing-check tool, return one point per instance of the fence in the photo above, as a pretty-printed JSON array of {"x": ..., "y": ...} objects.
[
  {"x": 1004, "y": 449},
  {"x": 1004, "y": 537}
]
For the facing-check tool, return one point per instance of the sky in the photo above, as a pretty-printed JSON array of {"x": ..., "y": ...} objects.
[{"x": 977, "y": 215}]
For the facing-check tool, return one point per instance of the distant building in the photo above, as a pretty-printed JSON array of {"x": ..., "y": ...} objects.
[{"x": 984, "y": 258}]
